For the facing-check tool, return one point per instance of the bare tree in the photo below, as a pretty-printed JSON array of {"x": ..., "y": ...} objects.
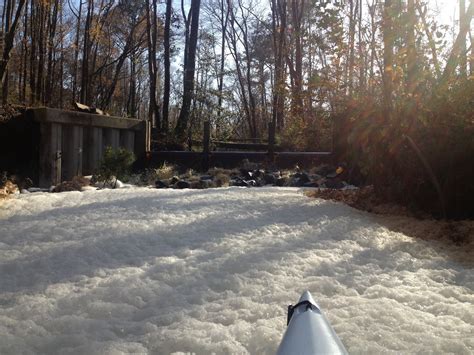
[
  {"x": 456, "y": 51},
  {"x": 167, "y": 55},
  {"x": 10, "y": 25},
  {"x": 279, "y": 24},
  {"x": 189, "y": 68},
  {"x": 388, "y": 41},
  {"x": 463, "y": 52},
  {"x": 412, "y": 60}
]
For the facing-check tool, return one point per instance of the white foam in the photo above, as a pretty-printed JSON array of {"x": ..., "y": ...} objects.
[{"x": 144, "y": 270}]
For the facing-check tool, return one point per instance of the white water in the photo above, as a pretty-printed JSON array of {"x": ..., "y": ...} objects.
[{"x": 161, "y": 271}]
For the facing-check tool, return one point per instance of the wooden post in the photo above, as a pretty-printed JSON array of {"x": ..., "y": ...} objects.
[
  {"x": 205, "y": 145},
  {"x": 72, "y": 151},
  {"x": 141, "y": 140},
  {"x": 50, "y": 154},
  {"x": 271, "y": 141},
  {"x": 93, "y": 149}
]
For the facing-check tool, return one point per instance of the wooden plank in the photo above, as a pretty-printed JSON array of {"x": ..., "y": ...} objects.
[
  {"x": 44, "y": 114},
  {"x": 127, "y": 140},
  {"x": 271, "y": 141},
  {"x": 241, "y": 146},
  {"x": 206, "y": 145},
  {"x": 93, "y": 149},
  {"x": 50, "y": 154},
  {"x": 72, "y": 147},
  {"x": 112, "y": 138},
  {"x": 142, "y": 139}
]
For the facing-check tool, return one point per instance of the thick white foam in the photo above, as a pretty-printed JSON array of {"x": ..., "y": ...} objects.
[{"x": 161, "y": 271}]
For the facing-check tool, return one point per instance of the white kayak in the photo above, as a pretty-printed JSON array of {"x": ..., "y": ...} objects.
[{"x": 309, "y": 332}]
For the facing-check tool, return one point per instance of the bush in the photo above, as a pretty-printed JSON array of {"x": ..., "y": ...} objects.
[
  {"x": 116, "y": 164},
  {"x": 422, "y": 156}
]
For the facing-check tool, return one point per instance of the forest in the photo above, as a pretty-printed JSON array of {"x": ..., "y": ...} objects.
[{"x": 385, "y": 85}]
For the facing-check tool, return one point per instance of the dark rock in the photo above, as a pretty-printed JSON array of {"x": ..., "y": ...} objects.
[
  {"x": 206, "y": 177},
  {"x": 304, "y": 178},
  {"x": 174, "y": 180},
  {"x": 259, "y": 173},
  {"x": 269, "y": 179},
  {"x": 244, "y": 183},
  {"x": 195, "y": 184},
  {"x": 206, "y": 184},
  {"x": 181, "y": 184},
  {"x": 299, "y": 179},
  {"x": 334, "y": 183},
  {"x": 160, "y": 184},
  {"x": 324, "y": 170},
  {"x": 246, "y": 174},
  {"x": 295, "y": 182},
  {"x": 311, "y": 184},
  {"x": 282, "y": 181},
  {"x": 239, "y": 182},
  {"x": 252, "y": 183},
  {"x": 3, "y": 178}
]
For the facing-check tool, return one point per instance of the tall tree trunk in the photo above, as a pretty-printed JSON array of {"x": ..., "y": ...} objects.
[
  {"x": 429, "y": 35},
  {"x": 237, "y": 39},
  {"x": 462, "y": 49},
  {"x": 296, "y": 68},
  {"x": 25, "y": 56},
  {"x": 224, "y": 18},
  {"x": 85, "y": 72},
  {"x": 456, "y": 51},
  {"x": 167, "y": 55},
  {"x": 42, "y": 8},
  {"x": 279, "y": 48},
  {"x": 189, "y": 68},
  {"x": 153, "y": 108},
  {"x": 9, "y": 36},
  {"x": 352, "y": 29},
  {"x": 105, "y": 103},
  {"x": 51, "y": 35},
  {"x": 132, "y": 97},
  {"x": 33, "y": 63},
  {"x": 243, "y": 26},
  {"x": 233, "y": 47},
  {"x": 362, "y": 55},
  {"x": 471, "y": 64},
  {"x": 76, "y": 52},
  {"x": 388, "y": 41},
  {"x": 412, "y": 61},
  {"x": 372, "y": 12}
]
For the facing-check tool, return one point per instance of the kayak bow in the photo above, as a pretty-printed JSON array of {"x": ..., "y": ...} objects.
[{"x": 309, "y": 332}]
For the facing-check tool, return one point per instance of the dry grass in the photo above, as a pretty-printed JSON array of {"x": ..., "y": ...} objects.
[
  {"x": 363, "y": 199},
  {"x": 8, "y": 189},
  {"x": 164, "y": 172}
]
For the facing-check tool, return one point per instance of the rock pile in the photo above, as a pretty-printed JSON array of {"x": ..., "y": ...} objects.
[{"x": 323, "y": 177}]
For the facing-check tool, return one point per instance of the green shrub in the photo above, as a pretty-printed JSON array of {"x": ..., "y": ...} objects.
[{"x": 115, "y": 164}]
